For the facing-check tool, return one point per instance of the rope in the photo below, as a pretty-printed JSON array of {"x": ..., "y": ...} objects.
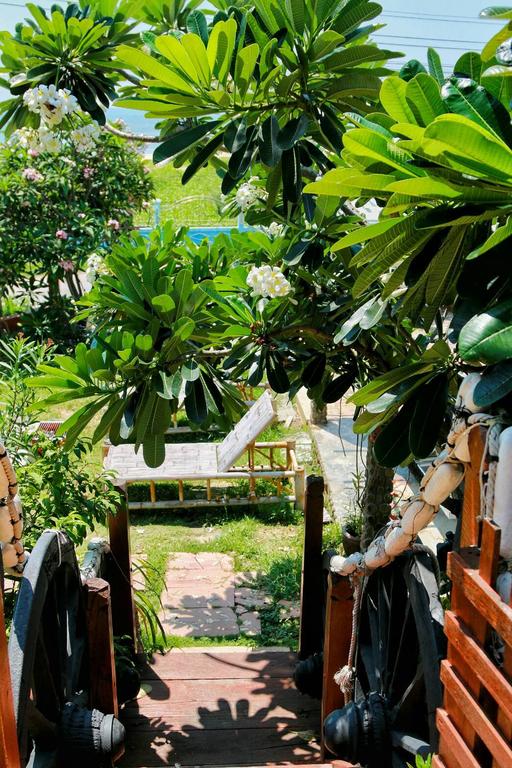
[
  {"x": 487, "y": 489},
  {"x": 345, "y": 677}
]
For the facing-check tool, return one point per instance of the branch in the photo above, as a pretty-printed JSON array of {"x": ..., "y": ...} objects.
[{"x": 132, "y": 136}]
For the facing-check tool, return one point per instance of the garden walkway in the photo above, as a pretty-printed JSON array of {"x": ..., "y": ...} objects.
[{"x": 204, "y": 597}]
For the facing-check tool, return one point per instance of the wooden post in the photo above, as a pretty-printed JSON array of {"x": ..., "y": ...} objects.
[
  {"x": 338, "y": 632},
  {"x": 121, "y": 590},
  {"x": 9, "y": 752},
  {"x": 469, "y": 533},
  {"x": 102, "y": 686},
  {"x": 311, "y": 592}
]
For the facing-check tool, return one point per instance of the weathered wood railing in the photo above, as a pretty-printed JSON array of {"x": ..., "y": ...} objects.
[
  {"x": 9, "y": 753},
  {"x": 475, "y": 723}
]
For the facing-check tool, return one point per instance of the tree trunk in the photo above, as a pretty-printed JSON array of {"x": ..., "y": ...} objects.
[
  {"x": 318, "y": 413},
  {"x": 377, "y": 497}
]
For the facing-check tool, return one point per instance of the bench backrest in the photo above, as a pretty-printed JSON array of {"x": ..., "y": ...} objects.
[{"x": 252, "y": 424}]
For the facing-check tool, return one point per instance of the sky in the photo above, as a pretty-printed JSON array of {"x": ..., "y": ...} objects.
[{"x": 450, "y": 26}]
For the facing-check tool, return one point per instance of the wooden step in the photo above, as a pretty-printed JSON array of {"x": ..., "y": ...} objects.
[{"x": 222, "y": 709}]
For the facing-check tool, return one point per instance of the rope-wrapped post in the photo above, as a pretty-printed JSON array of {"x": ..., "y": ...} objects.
[{"x": 11, "y": 517}]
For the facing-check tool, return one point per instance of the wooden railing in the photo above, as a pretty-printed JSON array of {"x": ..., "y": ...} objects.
[{"x": 475, "y": 723}]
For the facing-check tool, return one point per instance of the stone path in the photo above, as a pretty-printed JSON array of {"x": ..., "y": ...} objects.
[{"x": 204, "y": 597}]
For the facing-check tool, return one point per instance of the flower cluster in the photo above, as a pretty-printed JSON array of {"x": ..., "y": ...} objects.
[
  {"x": 268, "y": 281},
  {"x": 84, "y": 138},
  {"x": 32, "y": 174},
  {"x": 51, "y": 103},
  {"x": 95, "y": 266},
  {"x": 248, "y": 194},
  {"x": 274, "y": 229}
]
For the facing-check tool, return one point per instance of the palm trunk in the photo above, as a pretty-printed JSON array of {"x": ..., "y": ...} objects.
[{"x": 377, "y": 497}]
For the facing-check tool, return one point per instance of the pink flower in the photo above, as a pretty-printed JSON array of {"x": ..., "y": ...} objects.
[
  {"x": 114, "y": 224},
  {"x": 31, "y": 174},
  {"x": 67, "y": 265},
  {"x": 33, "y": 153},
  {"x": 81, "y": 215},
  {"x": 61, "y": 234},
  {"x": 88, "y": 172}
]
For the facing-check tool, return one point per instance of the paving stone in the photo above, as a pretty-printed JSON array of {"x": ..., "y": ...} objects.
[
  {"x": 252, "y": 598},
  {"x": 241, "y": 609},
  {"x": 199, "y": 594},
  {"x": 201, "y": 622},
  {"x": 247, "y": 578},
  {"x": 250, "y": 623},
  {"x": 289, "y": 609}
]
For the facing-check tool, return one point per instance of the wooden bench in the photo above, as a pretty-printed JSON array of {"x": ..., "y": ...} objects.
[{"x": 216, "y": 462}]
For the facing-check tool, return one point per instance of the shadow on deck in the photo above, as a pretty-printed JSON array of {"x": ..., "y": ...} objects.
[{"x": 221, "y": 708}]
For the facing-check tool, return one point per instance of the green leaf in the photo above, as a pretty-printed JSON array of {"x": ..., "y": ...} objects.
[
  {"x": 292, "y": 175},
  {"x": 487, "y": 337},
  {"x": 496, "y": 382},
  {"x": 270, "y": 151},
  {"x": 196, "y": 23},
  {"x": 467, "y": 98},
  {"x": 190, "y": 371},
  {"x": 337, "y": 388},
  {"x": 498, "y": 236},
  {"x": 469, "y": 65},
  {"x": 276, "y": 374},
  {"x": 428, "y": 415},
  {"x": 391, "y": 446},
  {"x": 292, "y": 132},
  {"x": 113, "y": 412},
  {"x": 183, "y": 286},
  {"x": 435, "y": 66},
  {"x": 136, "y": 60},
  {"x": 296, "y": 12},
  {"x": 394, "y": 100},
  {"x": 153, "y": 449},
  {"x": 244, "y": 68},
  {"x": 314, "y": 371},
  {"x": 389, "y": 381},
  {"x": 195, "y": 402},
  {"x": 424, "y": 99},
  {"x": 220, "y": 49},
  {"x": 182, "y": 140}
]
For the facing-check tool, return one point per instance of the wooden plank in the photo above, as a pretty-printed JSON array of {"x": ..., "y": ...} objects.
[
  {"x": 469, "y": 535},
  {"x": 437, "y": 762},
  {"x": 481, "y": 596},
  {"x": 338, "y": 630},
  {"x": 120, "y": 577},
  {"x": 489, "y": 552},
  {"x": 453, "y": 750},
  {"x": 504, "y": 716},
  {"x": 311, "y": 604},
  {"x": 215, "y": 665},
  {"x": 9, "y": 753},
  {"x": 199, "y": 746},
  {"x": 478, "y": 661},
  {"x": 182, "y": 696},
  {"x": 102, "y": 668},
  {"x": 473, "y": 712}
]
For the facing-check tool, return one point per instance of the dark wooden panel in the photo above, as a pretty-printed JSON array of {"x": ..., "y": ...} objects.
[
  {"x": 103, "y": 686},
  {"x": 311, "y": 602},
  {"x": 338, "y": 630},
  {"x": 121, "y": 590},
  {"x": 184, "y": 665}
]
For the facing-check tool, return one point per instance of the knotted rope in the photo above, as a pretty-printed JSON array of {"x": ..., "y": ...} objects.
[{"x": 345, "y": 676}]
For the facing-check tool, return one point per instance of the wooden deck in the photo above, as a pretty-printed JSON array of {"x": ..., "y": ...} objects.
[{"x": 221, "y": 708}]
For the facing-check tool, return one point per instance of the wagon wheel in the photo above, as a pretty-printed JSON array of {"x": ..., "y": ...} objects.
[
  {"x": 398, "y": 687},
  {"x": 48, "y": 661}
]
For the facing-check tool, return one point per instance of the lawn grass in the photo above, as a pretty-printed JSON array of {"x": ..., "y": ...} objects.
[{"x": 198, "y": 203}]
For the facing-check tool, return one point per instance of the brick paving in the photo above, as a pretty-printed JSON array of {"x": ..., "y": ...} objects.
[{"x": 204, "y": 597}]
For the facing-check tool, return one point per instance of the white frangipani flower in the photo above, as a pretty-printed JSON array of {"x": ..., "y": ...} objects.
[
  {"x": 248, "y": 194},
  {"x": 267, "y": 281},
  {"x": 48, "y": 141},
  {"x": 95, "y": 266},
  {"x": 85, "y": 137},
  {"x": 52, "y": 103},
  {"x": 274, "y": 229}
]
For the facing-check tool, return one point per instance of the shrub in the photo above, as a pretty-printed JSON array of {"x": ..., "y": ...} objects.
[{"x": 56, "y": 209}]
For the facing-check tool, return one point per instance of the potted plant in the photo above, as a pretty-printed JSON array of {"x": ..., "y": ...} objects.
[{"x": 351, "y": 532}]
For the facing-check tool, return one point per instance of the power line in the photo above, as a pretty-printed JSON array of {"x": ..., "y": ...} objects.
[
  {"x": 440, "y": 17},
  {"x": 432, "y": 39}
]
